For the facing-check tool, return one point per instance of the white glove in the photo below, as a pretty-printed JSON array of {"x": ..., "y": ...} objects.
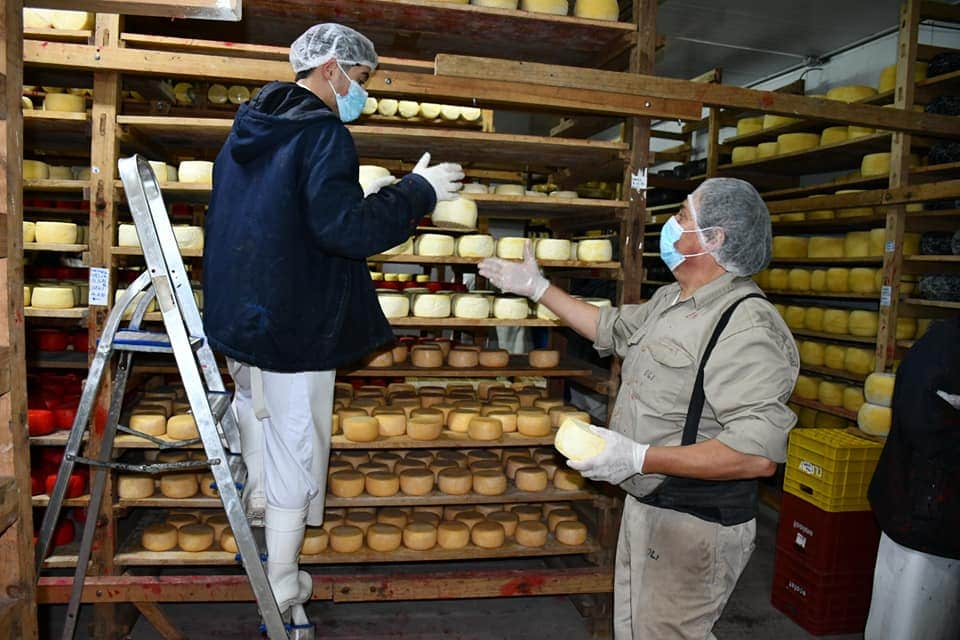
[
  {"x": 619, "y": 460},
  {"x": 444, "y": 177},
  {"x": 522, "y": 278},
  {"x": 376, "y": 185}
]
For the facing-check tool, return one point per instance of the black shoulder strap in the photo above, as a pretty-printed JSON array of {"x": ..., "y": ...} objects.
[{"x": 695, "y": 408}]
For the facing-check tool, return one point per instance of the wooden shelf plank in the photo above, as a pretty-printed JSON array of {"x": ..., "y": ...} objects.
[
  {"x": 63, "y": 557},
  {"x": 56, "y": 186},
  {"x": 9, "y": 502},
  {"x": 832, "y": 157},
  {"x": 190, "y": 252},
  {"x": 75, "y": 312},
  {"x": 57, "y": 360},
  {"x": 813, "y": 404},
  {"x": 55, "y": 247},
  {"x": 519, "y": 366},
  {"x": 550, "y": 264},
  {"x": 48, "y": 118},
  {"x": 57, "y": 35},
  {"x": 44, "y": 500},
  {"x": 57, "y": 439},
  {"x": 833, "y": 373},
  {"x": 939, "y": 304},
  {"x": 935, "y": 259},
  {"x": 837, "y": 337}
]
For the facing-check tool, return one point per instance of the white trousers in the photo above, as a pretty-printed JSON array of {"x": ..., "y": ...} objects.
[
  {"x": 915, "y": 595},
  {"x": 294, "y": 411}
]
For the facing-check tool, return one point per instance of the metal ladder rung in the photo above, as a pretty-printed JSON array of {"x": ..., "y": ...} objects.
[
  {"x": 219, "y": 403},
  {"x": 147, "y": 341}
]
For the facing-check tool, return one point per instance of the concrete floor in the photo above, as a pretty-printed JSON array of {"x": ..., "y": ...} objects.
[{"x": 749, "y": 615}]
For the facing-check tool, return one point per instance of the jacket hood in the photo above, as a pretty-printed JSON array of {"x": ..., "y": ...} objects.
[{"x": 279, "y": 112}]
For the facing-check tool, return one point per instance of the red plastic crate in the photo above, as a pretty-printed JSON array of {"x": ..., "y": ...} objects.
[
  {"x": 825, "y": 540},
  {"x": 822, "y": 603}
]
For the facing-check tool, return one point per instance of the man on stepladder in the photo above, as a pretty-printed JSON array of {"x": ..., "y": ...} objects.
[{"x": 287, "y": 292}]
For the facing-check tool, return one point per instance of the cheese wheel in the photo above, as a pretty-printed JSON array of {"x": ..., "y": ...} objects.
[
  {"x": 360, "y": 428},
  {"x": 771, "y": 121},
  {"x": 431, "y": 305},
  {"x": 452, "y": 534},
  {"x": 455, "y": 481},
  {"x": 568, "y": 480},
  {"x": 387, "y": 106},
  {"x": 346, "y": 539},
  {"x": 531, "y": 533},
  {"x": 384, "y": 537},
  {"x": 571, "y": 533},
  {"x": 796, "y": 142},
  {"x": 135, "y": 486},
  {"x": 853, "y": 398},
  {"x": 878, "y": 389},
  {"x": 833, "y": 135},
  {"x": 426, "y": 356},
  {"x": 833, "y": 356},
  {"x": 555, "y": 517},
  {"x": 468, "y": 305},
  {"x": 196, "y": 172},
  {"x": 35, "y": 170},
  {"x": 154, "y": 424},
  {"x": 488, "y": 534},
  {"x": 448, "y": 111},
  {"x": 227, "y": 541},
  {"x": 494, "y": 358},
  {"x": 778, "y": 279},
  {"x": 127, "y": 236},
  {"x": 419, "y": 536},
  {"x": 382, "y": 484},
  {"x": 830, "y": 393},
  {"x": 369, "y": 108},
  {"x": 597, "y": 9},
  {"x": 179, "y": 485},
  {"x": 911, "y": 244},
  {"x": 408, "y": 108},
  {"x": 875, "y": 164},
  {"x": 811, "y": 353},
  {"x": 862, "y": 280},
  {"x": 396, "y": 517},
  {"x": 790, "y": 247},
  {"x": 888, "y": 76},
  {"x": 475, "y": 246},
  {"x": 768, "y": 150},
  {"x": 416, "y": 482},
  {"x": 315, "y": 541},
  {"x": 510, "y": 248},
  {"x": 851, "y": 93},
  {"x": 391, "y": 423},
  {"x": 379, "y": 359},
  {"x": 864, "y": 323},
  {"x": 485, "y": 429},
  {"x": 856, "y": 244},
  {"x": 29, "y": 231},
  {"x": 826, "y": 247},
  {"x": 798, "y": 280},
  {"x": 52, "y": 297},
  {"x": 421, "y": 428},
  {"x": 576, "y": 440},
  {"x": 347, "y": 484},
  {"x": 458, "y": 420},
  {"x": 531, "y": 479},
  {"x": 544, "y": 358},
  {"x": 749, "y": 125},
  {"x": 507, "y": 419},
  {"x": 195, "y": 537},
  {"x": 473, "y": 114},
  {"x": 813, "y": 318},
  {"x": 859, "y": 361},
  {"x": 742, "y": 154},
  {"x": 463, "y": 358},
  {"x": 470, "y": 518},
  {"x": 855, "y": 131},
  {"x": 794, "y": 316},
  {"x": 877, "y": 242},
  {"x": 874, "y": 420},
  {"x": 511, "y": 308},
  {"x": 838, "y": 280},
  {"x": 64, "y": 102},
  {"x": 159, "y": 536},
  {"x": 182, "y": 427},
  {"x": 460, "y": 213},
  {"x": 595, "y": 250},
  {"x": 208, "y": 486},
  {"x": 807, "y": 387},
  {"x": 56, "y": 232},
  {"x": 553, "y": 249},
  {"x": 188, "y": 236},
  {"x": 555, "y": 7},
  {"x": 434, "y": 244},
  {"x": 489, "y": 482},
  {"x": 534, "y": 423}
]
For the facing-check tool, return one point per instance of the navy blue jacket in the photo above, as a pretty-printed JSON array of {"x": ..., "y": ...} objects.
[{"x": 285, "y": 282}]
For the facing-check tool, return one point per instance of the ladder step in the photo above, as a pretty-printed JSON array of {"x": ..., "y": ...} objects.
[
  {"x": 219, "y": 403},
  {"x": 147, "y": 341}
]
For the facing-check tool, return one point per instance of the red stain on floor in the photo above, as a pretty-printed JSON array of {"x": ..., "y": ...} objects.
[{"x": 522, "y": 586}]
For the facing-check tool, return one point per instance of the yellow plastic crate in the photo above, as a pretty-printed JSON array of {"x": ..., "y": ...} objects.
[{"x": 831, "y": 468}]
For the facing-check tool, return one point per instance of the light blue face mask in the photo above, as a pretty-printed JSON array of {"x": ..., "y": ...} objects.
[
  {"x": 351, "y": 105},
  {"x": 670, "y": 234}
]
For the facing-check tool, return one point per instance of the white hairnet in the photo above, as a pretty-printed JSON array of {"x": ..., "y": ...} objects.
[
  {"x": 327, "y": 41},
  {"x": 736, "y": 207}
]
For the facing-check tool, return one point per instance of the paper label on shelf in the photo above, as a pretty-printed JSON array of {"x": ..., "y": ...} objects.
[
  {"x": 99, "y": 287},
  {"x": 801, "y": 540},
  {"x": 638, "y": 181},
  {"x": 886, "y": 294},
  {"x": 891, "y": 245}
]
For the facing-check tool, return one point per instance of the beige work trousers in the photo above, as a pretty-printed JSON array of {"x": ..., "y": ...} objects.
[{"x": 674, "y": 572}]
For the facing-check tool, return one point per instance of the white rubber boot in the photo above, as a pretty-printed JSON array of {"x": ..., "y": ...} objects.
[
  {"x": 251, "y": 448},
  {"x": 284, "y": 533}
]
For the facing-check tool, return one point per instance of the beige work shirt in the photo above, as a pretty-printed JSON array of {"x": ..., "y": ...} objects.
[{"x": 747, "y": 382}]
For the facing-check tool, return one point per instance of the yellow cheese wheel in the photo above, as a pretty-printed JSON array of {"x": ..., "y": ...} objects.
[
  {"x": 346, "y": 539},
  {"x": 838, "y": 280},
  {"x": 863, "y": 323},
  {"x": 807, "y": 387},
  {"x": 863, "y": 280},
  {"x": 742, "y": 154},
  {"x": 485, "y": 429},
  {"x": 135, "y": 486},
  {"x": 818, "y": 280},
  {"x": 315, "y": 541},
  {"x": 859, "y": 361},
  {"x": 798, "y": 280},
  {"x": 906, "y": 328},
  {"x": 475, "y": 246},
  {"x": 159, "y": 536},
  {"x": 811, "y": 353},
  {"x": 227, "y": 541},
  {"x": 856, "y": 244},
  {"x": 64, "y": 102},
  {"x": 534, "y": 423},
  {"x": 571, "y": 533},
  {"x": 888, "y": 77},
  {"x": 826, "y": 247},
  {"x": 360, "y": 428},
  {"x": 544, "y": 358},
  {"x": 179, "y": 485},
  {"x": 769, "y": 150},
  {"x": 813, "y": 318},
  {"x": 182, "y": 427},
  {"x": 552, "y": 249},
  {"x": 568, "y": 480},
  {"x": 384, "y": 537},
  {"x": 833, "y": 356},
  {"x": 53, "y": 297},
  {"x": 154, "y": 424},
  {"x": 595, "y": 250},
  {"x": 531, "y": 479},
  {"x": 391, "y": 422},
  {"x": 35, "y": 170},
  {"x": 347, "y": 484},
  {"x": 455, "y": 481},
  {"x": 853, "y": 398},
  {"x": 790, "y": 246},
  {"x": 794, "y": 317},
  {"x": 851, "y": 93},
  {"x": 856, "y": 131},
  {"x": 878, "y": 389},
  {"x": 911, "y": 244},
  {"x": 749, "y": 125},
  {"x": 795, "y": 142},
  {"x": 877, "y": 242},
  {"x": 771, "y": 121},
  {"x": 419, "y": 536},
  {"x": 387, "y": 106},
  {"x": 56, "y": 232},
  {"x": 195, "y": 537},
  {"x": 833, "y": 135},
  {"x": 382, "y": 484},
  {"x": 875, "y": 164},
  {"x": 489, "y": 534},
  {"x": 830, "y": 393},
  {"x": 874, "y": 419},
  {"x": 531, "y": 533}
]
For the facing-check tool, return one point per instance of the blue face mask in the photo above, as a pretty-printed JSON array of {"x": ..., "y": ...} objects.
[
  {"x": 351, "y": 105},
  {"x": 669, "y": 235}
]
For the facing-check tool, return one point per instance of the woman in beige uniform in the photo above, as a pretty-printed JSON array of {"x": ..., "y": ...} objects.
[{"x": 708, "y": 367}]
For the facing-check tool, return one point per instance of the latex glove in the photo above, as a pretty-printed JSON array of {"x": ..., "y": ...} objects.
[
  {"x": 522, "y": 278},
  {"x": 444, "y": 177},
  {"x": 376, "y": 185},
  {"x": 620, "y": 459},
  {"x": 951, "y": 398}
]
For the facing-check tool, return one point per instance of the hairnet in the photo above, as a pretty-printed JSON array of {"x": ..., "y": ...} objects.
[
  {"x": 327, "y": 41},
  {"x": 736, "y": 207}
]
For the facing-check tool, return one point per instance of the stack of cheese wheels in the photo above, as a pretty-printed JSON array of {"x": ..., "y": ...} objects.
[
  {"x": 196, "y": 172},
  {"x": 459, "y": 213},
  {"x": 874, "y": 416}
]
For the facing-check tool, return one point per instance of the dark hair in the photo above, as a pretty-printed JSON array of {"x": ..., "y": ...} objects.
[{"x": 301, "y": 75}]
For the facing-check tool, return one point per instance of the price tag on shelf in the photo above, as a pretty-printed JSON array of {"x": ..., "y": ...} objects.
[
  {"x": 886, "y": 294},
  {"x": 891, "y": 245},
  {"x": 638, "y": 181},
  {"x": 99, "y": 287}
]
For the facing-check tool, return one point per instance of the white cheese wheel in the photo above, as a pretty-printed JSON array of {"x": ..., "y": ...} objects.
[
  {"x": 434, "y": 244},
  {"x": 182, "y": 427},
  {"x": 315, "y": 541},
  {"x": 794, "y": 142},
  {"x": 511, "y": 308},
  {"x": 459, "y": 213},
  {"x": 472, "y": 114},
  {"x": 510, "y": 190},
  {"x": 369, "y": 107},
  {"x": 544, "y": 358},
  {"x": 571, "y": 533},
  {"x": 768, "y": 150},
  {"x": 135, "y": 486},
  {"x": 474, "y": 187},
  {"x": 188, "y": 236},
  {"x": 71, "y": 20},
  {"x": 179, "y": 485},
  {"x": 408, "y": 108},
  {"x": 403, "y": 249},
  {"x": 851, "y": 93},
  {"x": 467, "y": 305},
  {"x": 878, "y": 389},
  {"x": 160, "y": 171},
  {"x": 159, "y": 536},
  {"x": 833, "y": 135},
  {"x": 196, "y": 172},
  {"x": 384, "y": 537},
  {"x": 394, "y": 305},
  {"x": 65, "y": 102},
  {"x": 431, "y": 305},
  {"x": 27, "y": 294},
  {"x": 475, "y": 246},
  {"x": 419, "y": 536},
  {"x": 553, "y": 249},
  {"x": 53, "y": 297},
  {"x": 127, "y": 236},
  {"x": 369, "y": 173},
  {"x": 449, "y": 112},
  {"x": 430, "y": 110},
  {"x": 595, "y": 250},
  {"x": 544, "y": 313},
  {"x": 531, "y": 533},
  {"x": 510, "y": 248},
  {"x": 387, "y": 106},
  {"x": 875, "y": 164},
  {"x": 195, "y": 537},
  {"x": 576, "y": 440},
  {"x": 742, "y": 154},
  {"x": 567, "y": 195},
  {"x": 346, "y": 539},
  {"x": 360, "y": 428},
  {"x": 874, "y": 419},
  {"x": 37, "y": 19},
  {"x": 56, "y": 232},
  {"x": 35, "y": 170},
  {"x": 29, "y": 231}
]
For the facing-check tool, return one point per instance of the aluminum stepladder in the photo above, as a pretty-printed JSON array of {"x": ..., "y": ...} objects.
[{"x": 165, "y": 280}]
